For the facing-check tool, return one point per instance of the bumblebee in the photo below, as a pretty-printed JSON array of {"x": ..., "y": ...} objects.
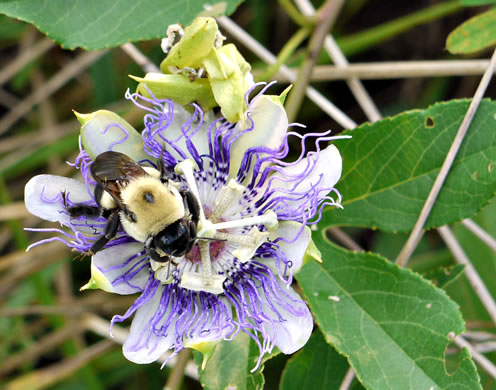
[{"x": 145, "y": 202}]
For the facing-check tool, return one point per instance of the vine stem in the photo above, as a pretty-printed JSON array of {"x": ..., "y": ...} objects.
[
  {"x": 266, "y": 56},
  {"x": 470, "y": 272},
  {"x": 348, "y": 379},
  {"x": 489, "y": 240},
  {"x": 325, "y": 19},
  {"x": 293, "y": 13},
  {"x": 393, "y": 69},
  {"x": 337, "y": 56},
  {"x": 138, "y": 57},
  {"x": 176, "y": 376},
  {"x": 417, "y": 231},
  {"x": 285, "y": 53}
]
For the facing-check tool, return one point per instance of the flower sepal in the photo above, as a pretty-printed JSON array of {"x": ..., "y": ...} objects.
[
  {"x": 207, "y": 349},
  {"x": 312, "y": 253},
  {"x": 98, "y": 281},
  {"x": 178, "y": 88}
]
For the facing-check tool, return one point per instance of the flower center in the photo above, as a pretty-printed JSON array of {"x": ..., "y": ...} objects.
[{"x": 217, "y": 232}]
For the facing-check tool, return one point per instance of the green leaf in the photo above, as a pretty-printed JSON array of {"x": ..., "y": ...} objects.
[
  {"x": 316, "y": 366},
  {"x": 96, "y": 24},
  {"x": 392, "y": 324},
  {"x": 389, "y": 168},
  {"x": 475, "y": 34},
  {"x": 477, "y": 2},
  {"x": 230, "y": 365},
  {"x": 443, "y": 277}
]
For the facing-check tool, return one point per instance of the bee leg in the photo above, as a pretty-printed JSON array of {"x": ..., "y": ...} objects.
[
  {"x": 80, "y": 209},
  {"x": 110, "y": 232},
  {"x": 164, "y": 176},
  {"x": 192, "y": 205},
  {"x": 156, "y": 257}
]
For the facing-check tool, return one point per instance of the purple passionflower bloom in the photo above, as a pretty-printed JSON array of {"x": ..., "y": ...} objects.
[{"x": 258, "y": 204}]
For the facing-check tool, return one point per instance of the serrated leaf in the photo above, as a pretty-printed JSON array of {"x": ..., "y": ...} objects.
[
  {"x": 392, "y": 324},
  {"x": 316, "y": 366},
  {"x": 389, "y": 168},
  {"x": 96, "y": 24},
  {"x": 474, "y": 35},
  {"x": 230, "y": 365},
  {"x": 443, "y": 277}
]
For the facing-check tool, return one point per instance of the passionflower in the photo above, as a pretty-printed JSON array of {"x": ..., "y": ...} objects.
[{"x": 253, "y": 231}]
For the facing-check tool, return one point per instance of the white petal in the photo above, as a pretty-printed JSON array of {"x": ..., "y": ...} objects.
[
  {"x": 102, "y": 131},
  {"x": 209, "y": 334},
  {"x": 294, "y": 251},
  {"x": 270, "y": 127},
  {"x": 143, "y": 345},
  {"x": 293, "y": 333},
  {"x": 106, "y": 269},
  {"x": 325, "y": 173},
  {"x": 175, "y": 132},
  {"x": 50, "y": 187}
]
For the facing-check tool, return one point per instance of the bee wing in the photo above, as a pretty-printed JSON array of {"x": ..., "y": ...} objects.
[{"x": 112, "y": 170}]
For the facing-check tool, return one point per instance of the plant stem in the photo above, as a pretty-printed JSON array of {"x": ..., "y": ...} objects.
[
  {"x": 363, "y": 40},
  {"x": 326, "y": 17},
  {"x": 295, "y": 15},
  {"x": 286, "y": 52},
  {"x": 417, "y": 231},
  {"x": 470, "y": 272},
  {"x": 177, "y": 374}
]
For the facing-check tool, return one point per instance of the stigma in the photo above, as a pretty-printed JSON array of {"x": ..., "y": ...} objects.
[{"x": 243, "y": 236}]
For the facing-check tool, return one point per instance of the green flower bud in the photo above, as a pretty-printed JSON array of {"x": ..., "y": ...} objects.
[
  {"x": 194, "y": 46},
  {"x": 104, "y": 130}
]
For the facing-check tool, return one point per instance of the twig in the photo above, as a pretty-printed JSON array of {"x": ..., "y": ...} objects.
[
  {"x": 417, "y": 231},
  {"x": 345, "y": 239},
  {"x": 355, "y": 85},
  {"x": 472, "y": 275},
  {"x": 266, "y": 56},
  {"x": 285, "y": 53},
  {"x": 326, "y": 17},
  {"x": 479, "y": 358},
  {"x": 57, "y": 372},
  {"x": 79, "y": 306},
  {"x": 55, "y": 83},
  {"x": 479, "y": 336},
  {"x": 395, "y": 70},
  {"x": 36, "y": 259},
  {"x": 489, "y": 240},
  {"x": 101, "y": 327},
  {"x": 8, "y": 71},
  {"x": 138, "y": 57},
  {"x": 7, "y": 99},
  {"x": 14, "y": 210},
  {"x": 177, "y": 374},
  {"x": 348, "y": 379},
  {"x": 37, "y": 349}
]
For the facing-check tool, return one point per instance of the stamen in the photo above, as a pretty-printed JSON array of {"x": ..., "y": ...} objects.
[
  {"x": 269, "y": 220},
  {"x": 227, "y": 194},
  {"x": 248, "y": 243},
  {"x": 206, "y": 263},
  {"x": 194, "y": 281},
  {"x": 186, "y": 168}
]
